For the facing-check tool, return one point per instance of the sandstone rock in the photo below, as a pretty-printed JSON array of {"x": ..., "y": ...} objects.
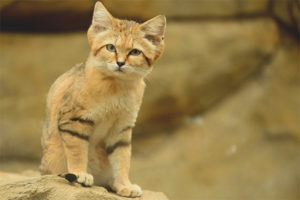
[
  {"x": 56, "y": 188},
  {"x": 10, "y": 177},
  {"x": 244, "y": 147},
  {"x": 278, "y": 110},
  {"x": 46, "y": 15},
  {"x": 228, "y": 89},
  {"x": 49, "y": 15},
  {"x": 200, "y": 66},
  {"x": 186, "y": 9},
  {"x": 25, "y": 81},
  {"x": 287, "y": 13}
]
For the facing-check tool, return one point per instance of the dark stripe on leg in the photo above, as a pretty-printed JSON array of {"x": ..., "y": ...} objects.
[
  {"x": 65, "y": 123},
  {"x": 111, "y": 149},
  {"x": 65, "y": 112},
  {"x": 85, "y": 121},
  {"x": 84, "y": 137}
]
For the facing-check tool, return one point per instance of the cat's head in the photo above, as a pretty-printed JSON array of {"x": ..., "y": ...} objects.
[{"x": 123, "y": 48}]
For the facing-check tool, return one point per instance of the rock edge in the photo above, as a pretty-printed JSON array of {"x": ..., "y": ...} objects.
[{"x": 56, "y": 188}]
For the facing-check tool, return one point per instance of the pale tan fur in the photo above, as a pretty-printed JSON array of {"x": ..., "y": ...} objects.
[{"x": 92, "y": 108}]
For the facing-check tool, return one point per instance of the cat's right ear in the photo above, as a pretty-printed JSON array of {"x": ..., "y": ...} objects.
[
  {"x": 102, "y": 19},
  {"x": 154, "y": 29}
]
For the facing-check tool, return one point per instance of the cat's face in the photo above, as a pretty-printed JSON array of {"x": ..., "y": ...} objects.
[{"x": 122, "y": 48}]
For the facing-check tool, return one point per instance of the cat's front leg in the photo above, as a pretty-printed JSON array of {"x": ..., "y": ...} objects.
[
  {"x": 75, "y": 134},
  {"x": 118, "y": 149}
]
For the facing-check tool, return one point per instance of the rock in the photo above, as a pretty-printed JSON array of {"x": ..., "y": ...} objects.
[
  {"x": 244, "y": 147},
  {"x": 52, "y": 187},
  {"x": 186, "y": 9},
  {"x": 226, "y": 89},
  {"x": 10, "y": 177},
  {"x": 25, "y": 83},
  {"x": 278, "y": 109},
  {"x": 239, "y": 148},
  {"x": 288, "y": 14},
  {"x": 46, "y": 15},
  {"x": 188, "y": 79},
  {"x": 202, "y": 65},
  {"x": 49, "y": 15}
]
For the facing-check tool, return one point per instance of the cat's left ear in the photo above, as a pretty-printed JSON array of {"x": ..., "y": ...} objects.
[
  {"x": 102, "y": 19},
  {"x": 154, "y": 29}
]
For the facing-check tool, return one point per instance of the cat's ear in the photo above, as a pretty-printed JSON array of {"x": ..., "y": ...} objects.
[
  {"x": 154, "y": 29},
  {"x": 102, "y": 19}
]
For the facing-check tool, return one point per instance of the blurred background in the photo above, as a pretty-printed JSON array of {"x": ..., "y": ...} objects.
[{"x": 221, "y": 113}]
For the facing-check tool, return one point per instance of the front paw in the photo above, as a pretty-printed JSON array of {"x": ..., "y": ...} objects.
[
  {"x": 129, "y": 190},
  {"x": 83, "y": 178}
]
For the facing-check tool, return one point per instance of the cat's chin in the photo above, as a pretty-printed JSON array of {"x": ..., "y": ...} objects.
[
  {"x": 126, "y": 76},
  {"x": 120, "y": 74}
]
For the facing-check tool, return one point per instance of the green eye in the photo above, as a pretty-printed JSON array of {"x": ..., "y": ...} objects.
[
  {"x": 135, "y": 52},
  {"x": 111, "y": 48}
]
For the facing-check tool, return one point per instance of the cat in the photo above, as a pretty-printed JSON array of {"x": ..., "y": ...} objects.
[{"x": 92, "y": 108}]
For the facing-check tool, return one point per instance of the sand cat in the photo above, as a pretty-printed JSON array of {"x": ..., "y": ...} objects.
[{"x": 92, "y": 108}]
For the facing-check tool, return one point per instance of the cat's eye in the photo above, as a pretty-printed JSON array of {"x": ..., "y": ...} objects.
[
  {"x": 135, "y": 52},
  {"x": 111, "y": 48}
]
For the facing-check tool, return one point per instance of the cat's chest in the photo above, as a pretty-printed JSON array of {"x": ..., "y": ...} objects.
[
  {"x": 115, "y": 106},
  {"x": 114, "y": 114}
]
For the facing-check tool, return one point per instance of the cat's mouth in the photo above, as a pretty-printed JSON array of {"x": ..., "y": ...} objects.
[{"x": 119, "y": 70}]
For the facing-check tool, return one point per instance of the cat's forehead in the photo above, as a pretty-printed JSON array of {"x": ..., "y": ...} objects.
[
  {"x": 125, "y": 32},
  {"x": 126, "y": 25}
]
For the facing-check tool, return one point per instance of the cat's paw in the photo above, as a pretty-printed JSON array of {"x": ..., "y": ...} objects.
[
  {"x": 129, "y": 190},
  {"x": 83, "y": 178}
]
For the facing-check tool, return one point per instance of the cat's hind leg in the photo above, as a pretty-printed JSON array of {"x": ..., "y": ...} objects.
[{"x": 53, "y": 160}]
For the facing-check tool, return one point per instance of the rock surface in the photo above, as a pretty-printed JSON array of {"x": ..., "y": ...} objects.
[
  {"x": 244, "y": 147},
  {"x": 46, "y": 15},
  {"x": 52, "y": 187},
  {"x": 222, "y": 106},
  {"x": 51, "y": 15},
  {"x": 188, "y": 79},
  {"x": 203, "y": 65},
  {"x": 196, "y": 9},
  {"x": 287, "y": 13}
]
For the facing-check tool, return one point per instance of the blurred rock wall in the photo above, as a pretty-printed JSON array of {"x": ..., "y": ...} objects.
[
  {"x": 213, "y": 49},
  {"x": 56, "y": 15}
]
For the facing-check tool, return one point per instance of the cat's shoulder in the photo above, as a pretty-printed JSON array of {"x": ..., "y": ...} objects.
[
  {"x": 77, "y": 70},
  {"x": 68, "y": 78}
]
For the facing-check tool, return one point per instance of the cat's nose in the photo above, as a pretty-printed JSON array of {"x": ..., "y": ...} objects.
[{"x": 120, "y": 64}]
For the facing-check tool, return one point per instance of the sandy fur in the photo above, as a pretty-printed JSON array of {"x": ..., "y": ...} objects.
[{"x": 92, "y": 108}]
